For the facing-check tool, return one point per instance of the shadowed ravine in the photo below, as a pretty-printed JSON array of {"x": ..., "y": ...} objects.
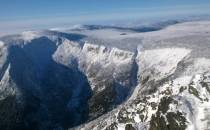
[{"x": 46, "y": 88}]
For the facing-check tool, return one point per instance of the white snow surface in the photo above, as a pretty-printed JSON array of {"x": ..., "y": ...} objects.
[{"x": 162, "y": 62}]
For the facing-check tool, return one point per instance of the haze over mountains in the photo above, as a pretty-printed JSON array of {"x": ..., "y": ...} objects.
[{"x": 97, "y": 77}]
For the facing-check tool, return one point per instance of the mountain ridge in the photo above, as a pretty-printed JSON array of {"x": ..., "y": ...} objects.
[{"x": 68, "y": 80}]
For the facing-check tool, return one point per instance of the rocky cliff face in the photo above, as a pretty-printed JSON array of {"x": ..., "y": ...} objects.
[{"x": 110, "y": 72}]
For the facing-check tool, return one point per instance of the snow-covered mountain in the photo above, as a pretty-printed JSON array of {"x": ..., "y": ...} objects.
[
  {"x": 57, "y": 80},
  {"x": 106, "y": 78}
]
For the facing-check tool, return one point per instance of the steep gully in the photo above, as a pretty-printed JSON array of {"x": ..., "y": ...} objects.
[{"x": 51, "y": 95}]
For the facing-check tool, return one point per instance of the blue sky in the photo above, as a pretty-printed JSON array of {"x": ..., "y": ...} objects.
[{"x": 18, "y": 15}]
